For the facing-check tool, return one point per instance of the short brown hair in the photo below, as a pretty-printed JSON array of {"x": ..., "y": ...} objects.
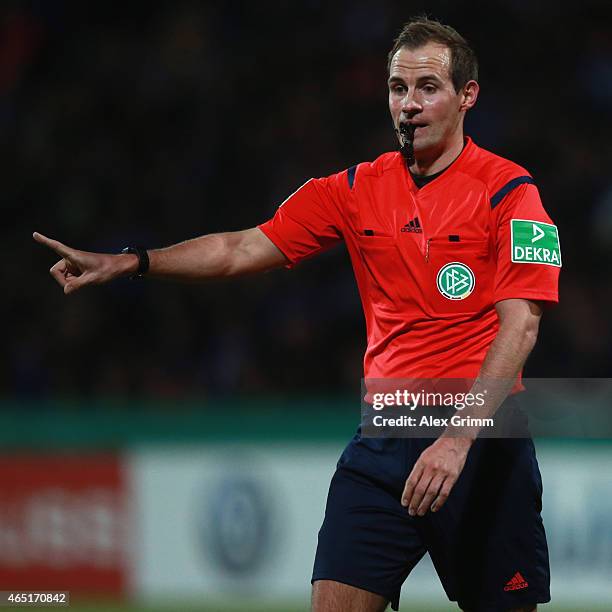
[{"x": 421, "y": 30}]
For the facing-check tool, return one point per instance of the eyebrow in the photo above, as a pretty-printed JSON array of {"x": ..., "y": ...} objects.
[{"x": 426, "y": 77}]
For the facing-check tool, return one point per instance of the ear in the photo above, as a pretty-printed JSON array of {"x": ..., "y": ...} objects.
[{"x": 469, "y": 95}]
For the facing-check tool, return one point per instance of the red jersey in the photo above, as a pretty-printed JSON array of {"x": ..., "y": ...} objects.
[{"x": 430, "y": 263}]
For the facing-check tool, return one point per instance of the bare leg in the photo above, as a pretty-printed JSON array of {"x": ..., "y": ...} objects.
[
  {"x": 528, "y": 608},
  {"x": 332, "y": 596}
]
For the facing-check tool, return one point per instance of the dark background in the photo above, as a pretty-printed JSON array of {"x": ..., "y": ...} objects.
[{"x": 125, "y": 123}]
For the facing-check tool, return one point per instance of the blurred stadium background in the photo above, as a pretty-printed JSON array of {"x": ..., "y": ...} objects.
[{"x": 172, "y": 445}]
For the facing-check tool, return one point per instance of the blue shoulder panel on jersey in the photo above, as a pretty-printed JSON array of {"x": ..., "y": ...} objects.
[
  {"x": 350, "y": 173},
  {"x": 508, "y": 187}
]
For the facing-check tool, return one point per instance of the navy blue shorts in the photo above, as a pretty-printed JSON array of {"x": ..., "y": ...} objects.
[{"x": 487, "y": 542}]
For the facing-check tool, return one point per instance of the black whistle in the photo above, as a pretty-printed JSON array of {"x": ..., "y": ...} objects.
[{"x": 407, "y": 149}]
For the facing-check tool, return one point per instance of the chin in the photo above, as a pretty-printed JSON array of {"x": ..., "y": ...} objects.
[
  {"x": 421, "y": 146},
  {"x": 426, "y": 144}
]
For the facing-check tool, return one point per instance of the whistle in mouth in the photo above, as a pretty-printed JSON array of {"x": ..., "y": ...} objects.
[{"x": 407, "y": 135}]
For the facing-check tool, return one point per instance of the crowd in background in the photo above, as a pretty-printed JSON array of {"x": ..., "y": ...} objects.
[{"x": 148, "y": 124}]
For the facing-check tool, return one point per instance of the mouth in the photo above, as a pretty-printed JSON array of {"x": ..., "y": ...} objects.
[{"x": 414, "y": 126}]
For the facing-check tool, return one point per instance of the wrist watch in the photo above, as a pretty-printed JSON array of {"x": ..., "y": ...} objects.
[{"x": 143, "y": 260}]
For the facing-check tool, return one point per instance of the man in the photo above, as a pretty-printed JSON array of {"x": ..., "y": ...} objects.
[{"x": 442, "y": 236}]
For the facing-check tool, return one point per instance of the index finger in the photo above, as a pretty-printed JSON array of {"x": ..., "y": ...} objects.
[{"x": 58, "y": 247}]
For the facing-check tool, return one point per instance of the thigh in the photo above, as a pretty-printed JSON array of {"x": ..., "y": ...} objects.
[
  {"x": 331, "y": 596},
  {"x": 527, "y": 608},
  {"x": 488, "y": 543},
  {"x": 368, "y": 540}
]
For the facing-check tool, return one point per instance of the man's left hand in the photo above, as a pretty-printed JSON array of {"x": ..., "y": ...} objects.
[{"x": 434, "y": 475}]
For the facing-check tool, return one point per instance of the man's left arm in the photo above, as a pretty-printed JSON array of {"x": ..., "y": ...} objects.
[{"x": 439, "y": 466}]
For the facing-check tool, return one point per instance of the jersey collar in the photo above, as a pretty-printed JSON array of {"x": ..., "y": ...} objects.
[{"x": 455, "y": 165}]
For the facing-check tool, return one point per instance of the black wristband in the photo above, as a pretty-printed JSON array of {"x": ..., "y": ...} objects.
[{"x": 143, "y": 260}]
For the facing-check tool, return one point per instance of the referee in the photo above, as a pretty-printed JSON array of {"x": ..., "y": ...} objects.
[{"x": 454, "y": 257}]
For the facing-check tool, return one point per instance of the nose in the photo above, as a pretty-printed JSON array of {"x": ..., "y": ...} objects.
[{"x": 410, "y": 105}]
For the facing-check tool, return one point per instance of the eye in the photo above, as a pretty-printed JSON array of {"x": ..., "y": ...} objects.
[
  {"x": 398, "y": 89},
  {"x": 429, "y": 88}
]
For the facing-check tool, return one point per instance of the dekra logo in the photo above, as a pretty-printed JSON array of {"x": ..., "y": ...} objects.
[{"x": 535, "y": 242}]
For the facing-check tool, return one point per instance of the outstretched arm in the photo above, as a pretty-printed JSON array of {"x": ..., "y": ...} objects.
[{"x": 206, "y": 257}]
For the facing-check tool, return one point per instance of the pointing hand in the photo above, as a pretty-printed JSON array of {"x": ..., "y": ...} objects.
[{"x": 77, "y": 269}]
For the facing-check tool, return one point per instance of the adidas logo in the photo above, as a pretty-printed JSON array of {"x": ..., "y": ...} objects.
[
  {"x": 516, "y": 582},
  {"x": 413, "y": 226}
]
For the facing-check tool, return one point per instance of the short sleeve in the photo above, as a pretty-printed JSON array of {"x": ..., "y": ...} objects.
[
  {"x": 527, "y": 246},
  {"x": 310, "y": 220}
]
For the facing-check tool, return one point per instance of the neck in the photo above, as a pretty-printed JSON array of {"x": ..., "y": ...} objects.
[{"x": 430, "y": 162}]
